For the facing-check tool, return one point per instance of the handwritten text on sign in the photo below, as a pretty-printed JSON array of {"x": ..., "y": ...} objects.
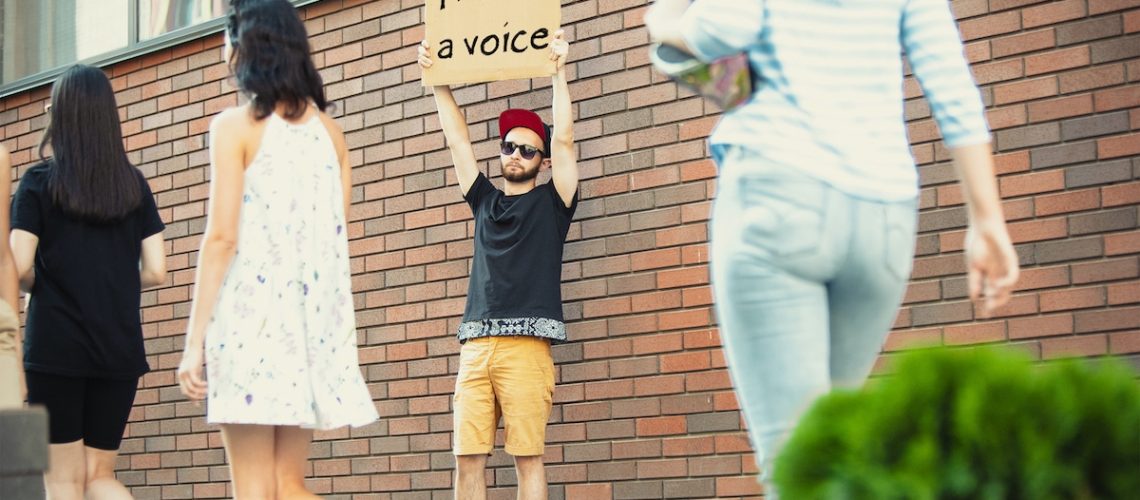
[{"x": 486, "y": 40}]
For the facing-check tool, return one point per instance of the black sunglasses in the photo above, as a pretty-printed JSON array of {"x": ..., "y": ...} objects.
[{"x": 508, "y": 148}]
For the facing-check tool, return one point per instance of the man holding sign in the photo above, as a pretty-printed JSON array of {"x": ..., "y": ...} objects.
[{"x": 514, "y": 298}]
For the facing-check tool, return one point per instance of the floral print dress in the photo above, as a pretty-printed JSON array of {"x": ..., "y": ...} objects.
[{"x": 281, "y": 346}]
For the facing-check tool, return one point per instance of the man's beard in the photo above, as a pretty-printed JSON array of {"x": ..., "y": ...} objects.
[{"x": 521, "y": 175}]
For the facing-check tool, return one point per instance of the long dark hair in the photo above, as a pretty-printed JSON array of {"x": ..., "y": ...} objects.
[
  {"x": 271, "y": 61},
  {"x": 90, "y": 176}
]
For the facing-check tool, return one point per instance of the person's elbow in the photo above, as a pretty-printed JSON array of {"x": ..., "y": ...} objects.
[
  {"x": 25, "y": 275},
  {"x": 220, "y": 240},
  {"x": 153, "y": 274},
  {"x": 27, "y": 280},
  {"x": 562, "y": 139}
]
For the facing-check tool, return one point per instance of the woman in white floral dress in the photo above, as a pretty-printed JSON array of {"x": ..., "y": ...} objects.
[{"x": 273, "y": 316}]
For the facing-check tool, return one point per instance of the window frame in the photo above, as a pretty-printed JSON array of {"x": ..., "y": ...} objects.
[{"x": 134, "y": 48}]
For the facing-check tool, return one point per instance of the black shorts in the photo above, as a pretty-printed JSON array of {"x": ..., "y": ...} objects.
[{"x": 92, "y": 409}]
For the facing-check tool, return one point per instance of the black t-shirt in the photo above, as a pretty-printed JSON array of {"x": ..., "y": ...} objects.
[
  {"x": 516, "y": 270},
  {"x": 83, "y": 318}
]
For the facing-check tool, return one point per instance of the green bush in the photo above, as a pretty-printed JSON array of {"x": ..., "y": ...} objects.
[{"x": 972, "y": 424}]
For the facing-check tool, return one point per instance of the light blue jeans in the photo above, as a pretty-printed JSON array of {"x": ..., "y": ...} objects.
[{"x": 807, "y": 281}]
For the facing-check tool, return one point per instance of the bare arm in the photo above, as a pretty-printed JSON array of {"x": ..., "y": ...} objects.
[
  {"x": 564, "y": 162},
  {"x": 9, "y": 279},
  {"x": 219, "y": 243},
  {"x": 991, "y": 262},
  {"x": 707, "y": 29},
  {"x": 663, "y": 21},
  {"x": 23, "y": 245},
  {"x": 454, "y": 127},
  {"x": 341, "y": 145},
  {"x": 153, "y": 270},
  {"x": 930, "y": 36}
]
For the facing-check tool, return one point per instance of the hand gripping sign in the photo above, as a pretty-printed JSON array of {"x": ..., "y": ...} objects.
[{"x": 486, "y": 40}]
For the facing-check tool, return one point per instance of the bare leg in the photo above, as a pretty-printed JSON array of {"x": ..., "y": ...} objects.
[
  {"x": 101, "y": 481},
  {"x": 248, "y": 448},
  {"x": 471, "y": 483},
  {"x": 532, "y": 478},
  {"x": 291, "y": 454},
  {"x": 67, "y": 472}
]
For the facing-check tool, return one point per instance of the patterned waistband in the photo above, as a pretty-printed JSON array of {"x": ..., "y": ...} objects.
[{"x": 508, "y": 327}]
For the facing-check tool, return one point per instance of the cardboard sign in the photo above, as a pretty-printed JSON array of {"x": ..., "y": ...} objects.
[{"x": 485, "y": 40}]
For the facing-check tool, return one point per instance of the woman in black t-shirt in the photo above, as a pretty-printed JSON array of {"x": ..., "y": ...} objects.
[{"x": 82, "y": 221}]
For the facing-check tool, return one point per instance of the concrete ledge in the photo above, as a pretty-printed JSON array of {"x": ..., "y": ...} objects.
[{"x": 23, "y": 453}]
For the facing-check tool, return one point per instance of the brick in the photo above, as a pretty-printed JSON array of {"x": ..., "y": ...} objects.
[
  {"x": 1117, "y": 98},
  {"x": 1115, "y": 49},
  {"x": 1122, "y": 243},
  {"x": 1063, "y": 107},
  {"x": 1100, "y": 222},
  {"x": 1113, "y": 147},
  {"x": 589, "y": 491},
  {"x": 990, "y": 25},
  {"x": 1023, "y": 42},
  {"x": 1101, "y": 173},
  {"x": 637, "y": 490},
  {"x": 1052, "y": 13},
  {"x": 1074, "y": 298},
  {"x": 713, "y": 422},
  {"x": 661, "y": 426},
  {"x": 975, "y": 333},
  {"x": 1039, "y": 182},
  {"x": 1055, "y": 61},
  {"x": 1031, "y": 135},
  {"x": 998, "y": 71},
  {"x": 1106, "y": 320},
  {"x": 1088, "y": 345},
  {"x": 737, "y": 486},
  {"x": 1042, "y": 326},
  {"x": 1124, "y": 343},
  {"x": 1124, "y": 293},
  {"x": 1103, "y": 6},
  {"x": 1121, "y": 194},
  {"x": 690, "y": 488},
  {"x": 1109, "y": 270},
  {"x": 1101, "y": 124},
  {"x": 1092, "y": 78},
  {"x": 1069, "y": 201},
  {"x": 1092, "y": 29},
  {"x": 1074, "y": 249},
  {"x": 1063, "y": 154}
]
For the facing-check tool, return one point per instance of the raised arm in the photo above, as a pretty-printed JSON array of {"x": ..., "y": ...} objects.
[
  {"x": 219, "y": 243},
  {"x": 564, "y": 162},
  {"x": 454, "y": 128}
]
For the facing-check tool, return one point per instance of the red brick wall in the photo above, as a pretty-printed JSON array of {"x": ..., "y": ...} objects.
[{"x": 644, "y": 406}]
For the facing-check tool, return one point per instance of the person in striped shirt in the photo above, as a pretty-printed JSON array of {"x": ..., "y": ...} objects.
[{"x": 814, "y": 221}]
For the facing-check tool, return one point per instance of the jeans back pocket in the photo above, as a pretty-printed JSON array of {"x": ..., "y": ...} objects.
[{"x": 783, "y": 216}]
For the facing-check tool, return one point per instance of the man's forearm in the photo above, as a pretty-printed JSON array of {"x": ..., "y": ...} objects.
[
  {"x": 563, "y": 116},
  {"x": 450, "y": 117}
]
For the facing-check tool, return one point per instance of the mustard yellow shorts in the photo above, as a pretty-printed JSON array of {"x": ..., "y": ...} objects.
[{"x": 511, "y": 377}]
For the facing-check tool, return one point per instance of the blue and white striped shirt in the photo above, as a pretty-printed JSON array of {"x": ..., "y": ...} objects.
[{"x": 830, "y": 95}]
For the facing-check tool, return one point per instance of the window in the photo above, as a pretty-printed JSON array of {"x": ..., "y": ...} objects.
[
  {"x": 39, "y": 38},
  {"x": 43, "y": 34},
  {"x": 158, "y": 17}
]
